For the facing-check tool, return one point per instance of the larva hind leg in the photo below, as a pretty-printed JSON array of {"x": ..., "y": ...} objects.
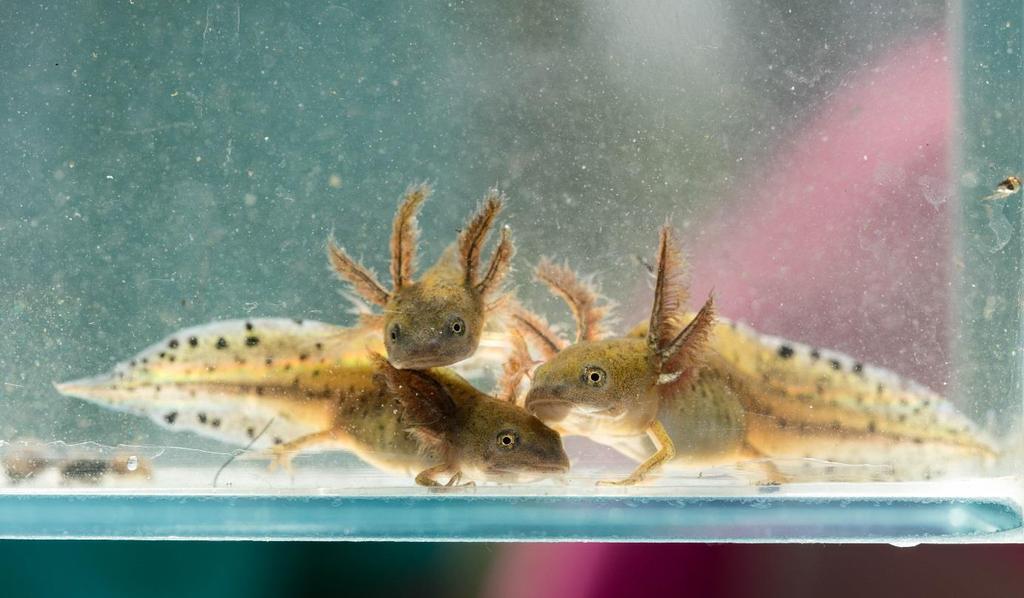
[
  {"x": 283, "y": 454},
  {"x": 428, "y": 477}
]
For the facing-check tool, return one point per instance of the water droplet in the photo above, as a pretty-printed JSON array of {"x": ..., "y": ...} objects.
[{"x": 133, "y": 463}]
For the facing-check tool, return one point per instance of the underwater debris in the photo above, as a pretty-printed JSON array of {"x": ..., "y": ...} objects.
[
  {"x": 1005, "y": 188},
  {"x": 31, "y": 459},
  {"x": 25, "y": 462},
  {"x": 93, "y": 469}
]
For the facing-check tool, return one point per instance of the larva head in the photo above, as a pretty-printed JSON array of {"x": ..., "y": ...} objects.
[
  {"x": 432, "y": 323},
  {"x": 481, "y": 437},
  {"x": 500, "y": 441},
  {"x": 605, "y": 385},
  {"x": 614, "y": 386},
  {"x": 435, "y": 321},
  {"x": 594, "y": 384}
]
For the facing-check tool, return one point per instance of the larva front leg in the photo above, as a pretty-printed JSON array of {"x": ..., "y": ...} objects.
[{"x": 666, "y": 451}]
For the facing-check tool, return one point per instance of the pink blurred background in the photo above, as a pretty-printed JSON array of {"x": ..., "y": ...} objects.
[{"x": 842, "y": 240}]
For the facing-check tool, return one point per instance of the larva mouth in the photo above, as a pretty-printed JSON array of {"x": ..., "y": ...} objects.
[
  {"x": 432, "y": 353},
  {"x": 548, "y": 408},
  {"x": 428, "y": 359}
]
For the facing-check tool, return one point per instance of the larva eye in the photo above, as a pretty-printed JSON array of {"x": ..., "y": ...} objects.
[
  {"x": 594, "y": 376},
  {"x": 457, "y": 326},
  {"x": 508, "y": 439}
]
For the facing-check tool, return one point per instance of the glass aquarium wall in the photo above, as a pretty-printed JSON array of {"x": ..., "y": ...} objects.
[{"x": 249, "y": 290}]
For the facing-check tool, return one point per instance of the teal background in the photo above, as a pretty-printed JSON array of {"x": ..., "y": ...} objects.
[{"x": 989, "y": 355}]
